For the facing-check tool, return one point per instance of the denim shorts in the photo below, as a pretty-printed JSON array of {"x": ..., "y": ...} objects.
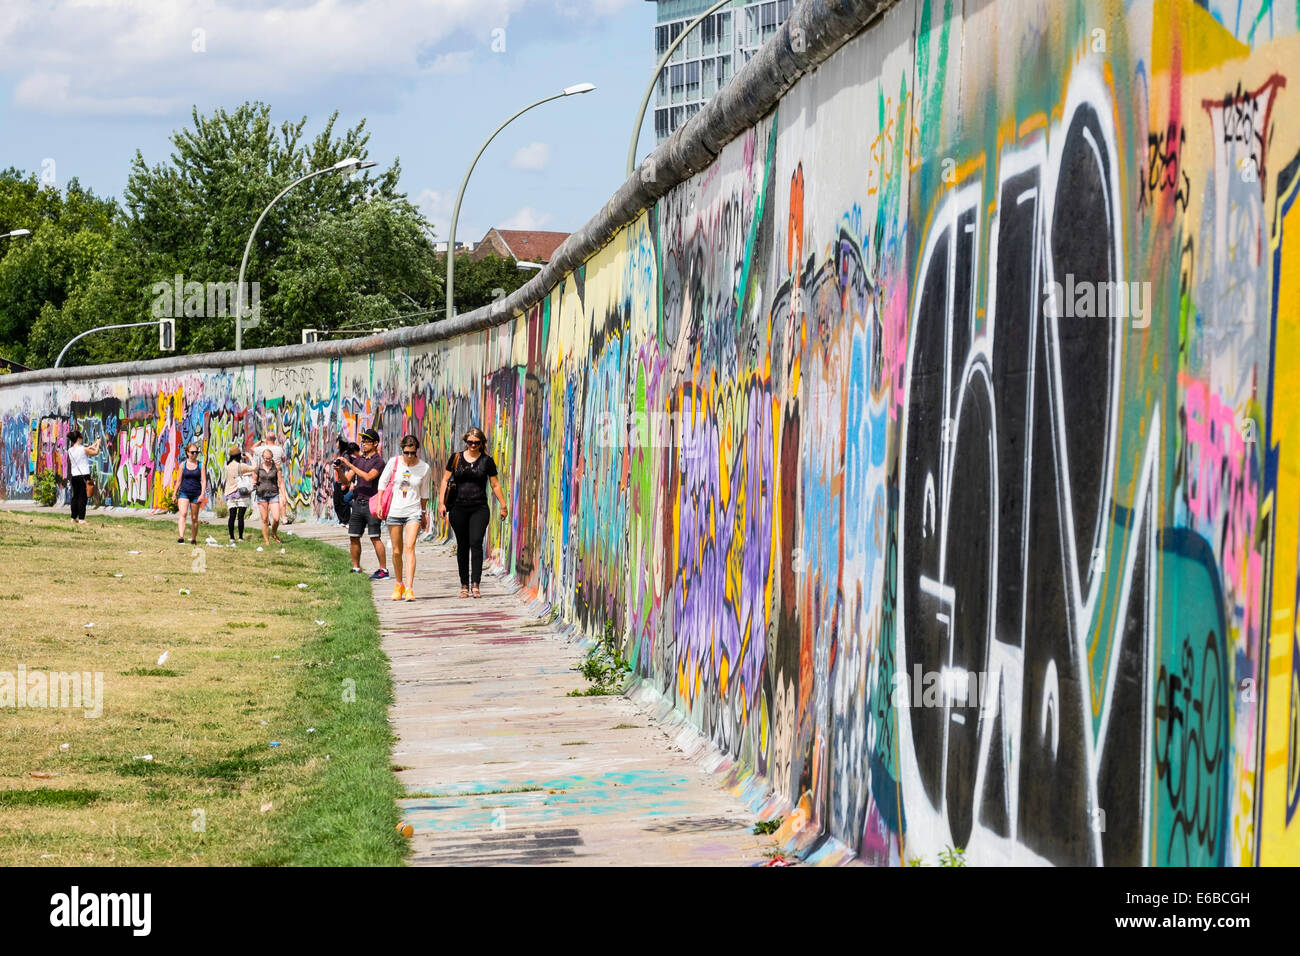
[
  {"x": 401, "y": 522},
  {"x": 362, "y": 520},
  {"x": 269, "y": 498}
]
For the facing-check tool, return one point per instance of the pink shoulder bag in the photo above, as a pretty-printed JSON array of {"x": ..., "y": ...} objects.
[{"x": 380, "y": 503}]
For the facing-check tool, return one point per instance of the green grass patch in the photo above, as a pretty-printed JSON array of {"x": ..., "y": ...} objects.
[
  {"x": 47, "y": 797},
  {"x": 236, "y": 682}
]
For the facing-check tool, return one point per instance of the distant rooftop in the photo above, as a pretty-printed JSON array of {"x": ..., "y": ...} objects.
[{"x": 525, "y": 245}]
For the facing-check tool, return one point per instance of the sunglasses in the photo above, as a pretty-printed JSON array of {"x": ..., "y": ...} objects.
[
  {"x": 191, "y": 451},
  {"x": 471, "y": 443},
  {"x": 409, "y": 451}
]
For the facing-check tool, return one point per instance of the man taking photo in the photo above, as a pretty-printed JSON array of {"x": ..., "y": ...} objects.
[{"x": 365, "y": 469}]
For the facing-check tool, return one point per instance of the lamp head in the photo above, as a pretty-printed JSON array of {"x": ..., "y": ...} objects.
[{"x": 579, "y": 88}]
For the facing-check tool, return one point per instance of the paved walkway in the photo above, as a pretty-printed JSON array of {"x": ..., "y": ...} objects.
[{"x": 501, "y": 766}]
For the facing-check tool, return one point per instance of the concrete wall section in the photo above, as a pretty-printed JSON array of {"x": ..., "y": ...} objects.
[{"x": 930, "y": 447}]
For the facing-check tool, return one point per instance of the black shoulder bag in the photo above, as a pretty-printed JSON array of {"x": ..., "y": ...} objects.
[{"x": 449, "y": 497}]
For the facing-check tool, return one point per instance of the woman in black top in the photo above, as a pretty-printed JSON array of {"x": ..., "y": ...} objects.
[
  {"x": 473, "y": 470},
  {"x": 191, "y": 493}
]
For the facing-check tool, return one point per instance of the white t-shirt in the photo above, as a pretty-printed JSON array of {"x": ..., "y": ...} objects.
[
  {"x": 78, "y": 461},
  {"x": 277, "y": 453},
  {"x": 412, "y": 484}
]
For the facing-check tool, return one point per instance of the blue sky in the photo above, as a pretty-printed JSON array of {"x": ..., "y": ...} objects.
[{"x": 85, "y": 83}]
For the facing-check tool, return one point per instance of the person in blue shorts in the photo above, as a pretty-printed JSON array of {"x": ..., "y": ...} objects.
[{"x": 191, "y": 493}]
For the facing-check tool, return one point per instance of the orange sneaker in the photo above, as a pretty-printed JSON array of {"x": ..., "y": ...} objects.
[
  {"x": 408, "y": 595},
  {"x": 397, "y": 592}
]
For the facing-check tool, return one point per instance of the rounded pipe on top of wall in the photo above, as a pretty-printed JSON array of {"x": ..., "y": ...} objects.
[{"x": 814, "y": 30}]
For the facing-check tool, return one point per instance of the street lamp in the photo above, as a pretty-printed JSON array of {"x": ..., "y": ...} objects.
[
  {"x": 663, "y": 61},
  {"x": 16, "y": 233},
  {"x": 350, "y": 164},
  {"x": 524, "y": 264},
  {"x": 455, "y": 214}
]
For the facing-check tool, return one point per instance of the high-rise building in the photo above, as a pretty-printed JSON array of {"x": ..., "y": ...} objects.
[{"x": 710, "y": 55}]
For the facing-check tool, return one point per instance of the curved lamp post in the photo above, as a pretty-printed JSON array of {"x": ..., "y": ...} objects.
[
  {"x": 102, "y": 328},
  {"x": 343, "y": 165},
  {"x": 455, "y": 213},
  {"x": 663, "y": 61}
]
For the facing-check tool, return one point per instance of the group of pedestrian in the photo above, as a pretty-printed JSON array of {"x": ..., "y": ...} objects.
[
  {"x": 410, "y": 479},
  {"x": 264, "y": 482},
  {"x": 360, "y": 474}
]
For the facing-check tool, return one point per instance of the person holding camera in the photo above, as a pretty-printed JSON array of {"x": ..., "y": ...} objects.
[
  {"x": 342, "y": 483},
  {"x": 365, "y": 469}
]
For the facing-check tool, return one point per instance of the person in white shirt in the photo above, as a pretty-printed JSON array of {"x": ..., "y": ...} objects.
[
  {"x": 408, "y": 513},
  {"x": 79, "y": 472},
  {"x": 270, "y": 444}
]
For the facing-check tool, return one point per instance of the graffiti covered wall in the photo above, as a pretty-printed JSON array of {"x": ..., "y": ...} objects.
[{"x": 931, "y": 448}]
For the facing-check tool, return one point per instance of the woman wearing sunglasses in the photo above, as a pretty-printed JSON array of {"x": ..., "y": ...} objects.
[
  {"x": 408, "y": 513},
  {"x": 472, "y": 470},
  {"x": 191, "y": 492}
]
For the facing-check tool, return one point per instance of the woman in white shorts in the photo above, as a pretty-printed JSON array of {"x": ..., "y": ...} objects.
[{"x": 408, "y": 514}]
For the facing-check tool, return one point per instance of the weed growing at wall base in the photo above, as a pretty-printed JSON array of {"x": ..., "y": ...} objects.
[{"x": 603, "y": 666}]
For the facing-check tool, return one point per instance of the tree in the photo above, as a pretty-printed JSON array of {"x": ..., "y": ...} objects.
[
  {"x": 336, "y": 250},
  {"x": 476, "y": 278},
  {"x": 40, "y": 274}
]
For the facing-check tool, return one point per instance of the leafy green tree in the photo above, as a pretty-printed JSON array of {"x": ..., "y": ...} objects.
[
  {"x": 39, "y": 274},
  {"x": 475, "y": 279},
  {"x": 337, "y": 250}
]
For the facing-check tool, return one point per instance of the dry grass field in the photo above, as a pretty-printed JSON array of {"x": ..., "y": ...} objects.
[{"x": 261, "y": 737}]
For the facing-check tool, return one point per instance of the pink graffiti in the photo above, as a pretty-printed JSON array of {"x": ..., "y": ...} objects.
[{"x": 1219, "y": 479}]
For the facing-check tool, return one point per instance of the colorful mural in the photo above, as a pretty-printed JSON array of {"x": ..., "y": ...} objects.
[{"x": 931, "y": 449}]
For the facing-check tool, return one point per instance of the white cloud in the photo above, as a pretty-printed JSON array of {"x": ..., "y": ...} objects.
[
  {"x": 49, "y": 93},
  {"x": 143, "y": 57},
  {"x": 437, "y": 208},
  {"x": 532, "y": 156},
  {"x": 527, "y": 218},
  {"x": 456, "y": 63}
]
